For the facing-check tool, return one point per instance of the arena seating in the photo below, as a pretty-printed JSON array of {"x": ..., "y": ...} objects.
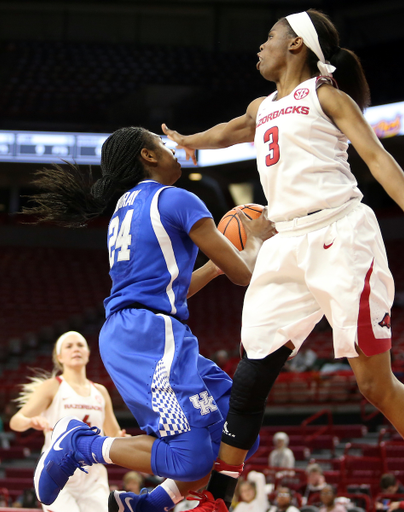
[
  {"x": 55, "y": 289},
  {"x": 96, "y": 79},
  {"x": 64, "y": 288},
  {"x": 356, "y": 472},
  {"x": 43, "y": 286}
]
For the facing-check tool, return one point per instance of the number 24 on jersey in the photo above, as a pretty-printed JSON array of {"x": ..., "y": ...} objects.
[{"x": 120, "y": 238}]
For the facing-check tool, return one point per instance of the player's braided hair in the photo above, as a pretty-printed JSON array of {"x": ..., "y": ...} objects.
[
  {"x": 349, "y": 74},
  {"x": 71, "y": 196}
]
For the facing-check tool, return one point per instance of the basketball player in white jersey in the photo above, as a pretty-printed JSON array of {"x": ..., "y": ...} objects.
[
  {"x": 328, "y": 257},
  {"x": 46, "y": 400}
]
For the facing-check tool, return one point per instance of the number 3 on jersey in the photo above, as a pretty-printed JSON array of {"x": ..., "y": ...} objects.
[
  {"x": 120, "y": 238},
  {"x": 272, "y": 136}
]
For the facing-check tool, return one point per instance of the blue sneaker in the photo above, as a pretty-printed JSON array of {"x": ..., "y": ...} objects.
[
  {"x": 122, "y": 501},
  {"x": 60, "y": 461}
]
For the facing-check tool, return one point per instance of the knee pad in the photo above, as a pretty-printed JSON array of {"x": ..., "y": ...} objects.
[
  {"x": 187, "y": 457},
  {"x": 252, "y": 383}
]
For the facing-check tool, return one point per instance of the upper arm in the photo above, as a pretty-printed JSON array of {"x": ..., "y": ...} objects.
[
  {"x": 242, "y": 128},
  {"x": 40, "y": 399},
  {"x": 346, "y": 115}
]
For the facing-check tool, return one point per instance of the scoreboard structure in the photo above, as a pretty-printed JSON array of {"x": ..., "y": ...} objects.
[
  {"x": 51, "y": 147},
  {"x": 85, "y": 148}
]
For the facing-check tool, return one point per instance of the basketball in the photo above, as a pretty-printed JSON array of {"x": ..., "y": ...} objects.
[{"x": 232, "y": 228}]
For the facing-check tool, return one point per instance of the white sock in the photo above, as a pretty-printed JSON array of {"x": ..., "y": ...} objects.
[
  {"x": 172, "y": 490},
  {"x": 106, "y": 447}
]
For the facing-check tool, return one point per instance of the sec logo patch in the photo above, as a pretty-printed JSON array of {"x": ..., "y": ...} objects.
[{"x": 301, "y": 93}]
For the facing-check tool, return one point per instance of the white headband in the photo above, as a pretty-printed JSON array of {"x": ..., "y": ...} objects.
[
  {"x": 62, "y": 338},
  {"x": 303, "y": 26}
]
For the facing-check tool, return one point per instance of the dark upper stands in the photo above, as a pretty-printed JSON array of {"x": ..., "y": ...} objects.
[{"x": 104, "y": 84}]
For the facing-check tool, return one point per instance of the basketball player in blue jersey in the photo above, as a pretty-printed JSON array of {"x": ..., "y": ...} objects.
[
  {"x": 328, "y": 257},
  {"x": 179, "y": 398}
]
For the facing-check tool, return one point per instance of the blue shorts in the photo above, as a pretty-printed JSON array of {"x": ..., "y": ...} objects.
[{"x": 154, "y": 362}]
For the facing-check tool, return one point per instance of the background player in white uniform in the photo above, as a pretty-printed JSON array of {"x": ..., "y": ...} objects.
[
  {"x": 177, "y": 396},
  {"x": 48, "y": 399},
  {"x": 328, "y": 257}
]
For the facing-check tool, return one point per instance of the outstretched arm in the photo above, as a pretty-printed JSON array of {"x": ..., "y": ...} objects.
[
  {"x": 223, "y": 135},
  {"x": 261, "y": 496},
  {"x": 347, "y": 116},
  {"x": 29, "y": 416}
]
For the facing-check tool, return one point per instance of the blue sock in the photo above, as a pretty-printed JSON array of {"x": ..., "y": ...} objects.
[
  {"x": 157, "y": 501},
  {"x": 91, "y": 448}
]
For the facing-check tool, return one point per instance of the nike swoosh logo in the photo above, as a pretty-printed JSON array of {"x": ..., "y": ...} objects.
[
  {"x": 127, "y": 501},
  {"x": 57, "y": 446},
  {"x": 328, "y": 245}
]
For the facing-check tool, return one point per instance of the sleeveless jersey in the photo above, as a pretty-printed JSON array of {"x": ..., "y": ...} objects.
[
  {"x": 151, "y": 255},
  {"x": 301, "y": 155},
  {"x": 66, "y": 402}
]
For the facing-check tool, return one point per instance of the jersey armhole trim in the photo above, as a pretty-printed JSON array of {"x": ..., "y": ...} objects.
[{"x": 324, "y": 80}]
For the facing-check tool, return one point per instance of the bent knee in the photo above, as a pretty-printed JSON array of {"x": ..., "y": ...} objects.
[
  {"x": 190, "y": 468},
  {"x": 182, "y": 460},
  {"x": 373, "y": 392}
]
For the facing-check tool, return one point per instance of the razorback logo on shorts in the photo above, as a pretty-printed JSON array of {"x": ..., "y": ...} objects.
[
  {"x": 386, "y": 322},
  {"x": 301, "y": 93}
]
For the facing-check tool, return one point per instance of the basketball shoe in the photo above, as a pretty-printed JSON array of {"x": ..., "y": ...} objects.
[
  {"x": 207, "y": 502},
  {"x": 60, "y": 461},
  {"x": 122, "y": 501}
]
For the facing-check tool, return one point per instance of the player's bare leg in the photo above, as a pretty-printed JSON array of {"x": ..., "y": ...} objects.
[
  {"x": 133, "y": 452},
  {"x": 379, "y": 386}
]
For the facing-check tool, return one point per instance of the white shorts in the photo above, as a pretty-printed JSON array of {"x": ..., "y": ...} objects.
[
  {"x": 339, "y": 270},
  {"x": 83, "y": 492}
]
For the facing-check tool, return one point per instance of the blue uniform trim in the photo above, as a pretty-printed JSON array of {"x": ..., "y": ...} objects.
[
  {"x": 166, "y": 248},
  {"x": 155, "y": 364},
  {"x": 151, "y": 254},
  {"x": 175, "y": 394}
]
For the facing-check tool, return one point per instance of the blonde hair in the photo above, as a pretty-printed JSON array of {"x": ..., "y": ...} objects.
[
  {"x": 246, "y": 483},
  {"x": 35, "y": 381},
  {"x": 40, "y": 375}
]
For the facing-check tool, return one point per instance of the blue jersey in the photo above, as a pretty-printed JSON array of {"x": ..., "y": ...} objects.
[
  {"x": 153, "y": 358},
  {"x": 150, "y": 252}
]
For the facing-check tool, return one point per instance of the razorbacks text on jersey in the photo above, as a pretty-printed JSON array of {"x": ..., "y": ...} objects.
[
  {"x": 316, "y": 174},
  {"x": 66, "y": 402}
]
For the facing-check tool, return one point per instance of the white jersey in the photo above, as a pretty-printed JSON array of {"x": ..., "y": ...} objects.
[
  {"x": 301, "y": 155},
  {"x": 66, "y": 402},
  {"x": 83, "y": 491}
]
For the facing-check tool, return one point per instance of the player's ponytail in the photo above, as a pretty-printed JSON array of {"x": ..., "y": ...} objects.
[
  {"x": 71, "y": 196},
  {"x": 39, "y": 377},
  {"x": 350, "y": 77},
  {"x": 349, "y": 74}
]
